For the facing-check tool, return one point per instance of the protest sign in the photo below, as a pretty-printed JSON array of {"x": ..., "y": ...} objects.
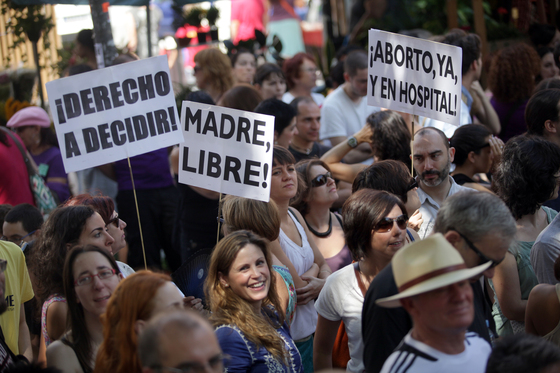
[
  {"x": 226, "y": 150},
  {"x": 110, "y": 114},
  {"x": 414, "y": 76}
]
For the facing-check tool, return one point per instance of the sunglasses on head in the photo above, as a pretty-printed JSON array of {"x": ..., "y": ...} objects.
[
  {"x": 114, "y": 221},
  {"x": 321, "y": 180},
  {"x": 386, "y": 224}
]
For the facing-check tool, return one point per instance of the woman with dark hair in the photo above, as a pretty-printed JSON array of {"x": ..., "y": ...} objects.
[
  {"x": 476, "y": 150},
  {"x": 241, "y": 97},
  {"x": 115, "y": 226},
  {"x": 32, "y": 124},
  {"x": 244, "y": 64},
  {"x": 375, "y": 228},
  {"x": 543, "y": 111},
  {"x": 548, "y": 66},
  {"x": 301, "y": 75},
  {"x": 316, "y": 194},
  {"x": 389, "y": 137},
  {"x": 213, "y": 72},
  {"x": 393, "y": 177},
  {"x": 526, "y": 178},
  {"x": 137, "y": 299},
  {"x": 90, "y": 276},
  {"x": 270, "y": 81},
  {"x": 284, "y": 120},
  {"x": 512, "y": 79},
  {"x": 297, "y": 249},
  {"x": 246, "y": 309},
  {"x": 65, "y": 228}
]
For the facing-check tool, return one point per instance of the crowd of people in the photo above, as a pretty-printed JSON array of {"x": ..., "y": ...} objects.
[{"x": 391, "y": 243}]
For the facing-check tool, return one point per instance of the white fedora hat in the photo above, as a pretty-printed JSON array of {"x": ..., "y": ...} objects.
[{"x": 427, "y": 265}]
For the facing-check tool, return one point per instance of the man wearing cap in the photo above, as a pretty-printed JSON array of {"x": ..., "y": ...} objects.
[
  {"x": 481, "y": 228},
  {"x": 433, "y": 283}
]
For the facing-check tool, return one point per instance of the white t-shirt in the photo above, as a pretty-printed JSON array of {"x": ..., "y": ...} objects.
[
  {"x": 340, "y": 116},
  {"x": 317, "y": 97},
  {"x": 413, "y": 356},
  {"x": 342, "y": 299},
  {"x": 302, "y": 257}
]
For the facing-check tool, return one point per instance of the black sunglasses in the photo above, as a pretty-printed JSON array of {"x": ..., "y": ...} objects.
[
  {"x": 413, "y": 184},
  {"x": 386, "y": 224},
  {"x": 483, "y": 258},
  {"x": 320, "y": 180},
  {"x": 114, "y": 221}
]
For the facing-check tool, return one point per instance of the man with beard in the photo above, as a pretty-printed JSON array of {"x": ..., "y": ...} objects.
[{"x": 432, "y": 159}]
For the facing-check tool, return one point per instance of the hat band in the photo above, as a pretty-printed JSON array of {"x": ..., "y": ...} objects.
[{"x": 430, "y": 275}]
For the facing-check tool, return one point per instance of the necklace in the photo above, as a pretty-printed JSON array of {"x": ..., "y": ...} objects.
[
  {"x": 326, "y": 234},
  {"x": 301, "y": 150}
]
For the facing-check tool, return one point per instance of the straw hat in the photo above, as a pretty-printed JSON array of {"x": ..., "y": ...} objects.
[{"x": 427, "y": 265}]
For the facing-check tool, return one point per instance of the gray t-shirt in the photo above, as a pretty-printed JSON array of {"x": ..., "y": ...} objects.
[{"x": 545, "y": 251}]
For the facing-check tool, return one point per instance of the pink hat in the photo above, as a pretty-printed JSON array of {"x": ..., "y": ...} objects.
[{"x": 30, "y": 116}]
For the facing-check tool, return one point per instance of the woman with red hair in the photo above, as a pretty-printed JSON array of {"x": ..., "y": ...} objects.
[
  {"x": 136, "y": 300},
  {"x": 301, "y": 77}
]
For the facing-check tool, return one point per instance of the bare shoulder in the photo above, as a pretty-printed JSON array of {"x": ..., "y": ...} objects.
[{"x": 61, "y": 356}]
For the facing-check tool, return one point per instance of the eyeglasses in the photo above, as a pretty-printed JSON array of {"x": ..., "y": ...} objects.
[
  {"x": 386, "y": 224},
  {"x": 115, "y": 221},
  {"x": 17, "y": 241},
  {"x": 215, "y": 364},
  {"x": 321, "y": 180},
  {"x": 3, "y": 264},
  {"x": 483, "y": 258},
  {"x": 104, "y": 274},
  {"x": 413, "y": 184}
]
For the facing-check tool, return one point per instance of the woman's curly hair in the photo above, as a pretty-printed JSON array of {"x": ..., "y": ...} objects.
[
  {"x": 512, "y": 73},
  {"x": 526, "y": 177},
  {"x": 229, "y": 308}
]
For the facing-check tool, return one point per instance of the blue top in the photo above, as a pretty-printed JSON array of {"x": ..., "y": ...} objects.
[{"x": 244, "y": 356}]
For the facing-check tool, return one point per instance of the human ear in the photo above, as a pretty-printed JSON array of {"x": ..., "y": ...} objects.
[
  {"x": 470, "y": 156},
  {"x": 139, "y": 326},
  {"x": 550, "y": 126},
  {"x": 451, "y": 154},
  {"x": 223, "y": 280}
]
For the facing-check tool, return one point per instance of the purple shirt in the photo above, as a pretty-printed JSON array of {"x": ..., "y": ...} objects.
[
  {"x": 516, "y": 124},
  {"x": 53, "y": 160},
  {"x": 150, "y": 171}
]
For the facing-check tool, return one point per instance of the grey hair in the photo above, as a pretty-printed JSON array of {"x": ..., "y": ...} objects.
[
  {"x": 475, "y": 214},
  {"x": 178, "y": 321}
]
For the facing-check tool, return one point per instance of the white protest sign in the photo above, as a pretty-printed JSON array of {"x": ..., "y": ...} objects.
[
  {"x": 109, "y": 114},
  {"x": 226, "y": 150},
  {"x": 414, "y": 76}
]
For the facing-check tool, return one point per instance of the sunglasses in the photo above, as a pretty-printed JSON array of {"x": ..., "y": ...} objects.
[
  {"x": 321, "y": 180},
  {"x": 386, "y": 224},
  {"x": 413, "y": 184},
  {"x": 483, "y": 258},
  {"x": 114, "y": 221}
]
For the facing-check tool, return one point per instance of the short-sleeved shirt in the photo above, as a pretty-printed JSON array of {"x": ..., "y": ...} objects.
[
  {"x": 545, "y": 251},
  {"x": 342, "y": 299},
  {"x": 18, "y": 291},
  {"x": 413, "y": 356}
]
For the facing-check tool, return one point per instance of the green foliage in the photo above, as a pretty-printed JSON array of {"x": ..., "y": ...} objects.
[{"x": 28, "y": 21}]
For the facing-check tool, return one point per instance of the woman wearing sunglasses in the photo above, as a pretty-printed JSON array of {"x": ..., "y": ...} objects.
[
  {"x": 316, "y": 194},
  {"x": 298, "y": 252},
  {"x": 90, "y": 276},
  {"x": 393, "y": 177},
  {"x": 374, "y": 225},
  {"x": 105, "y": 207}
]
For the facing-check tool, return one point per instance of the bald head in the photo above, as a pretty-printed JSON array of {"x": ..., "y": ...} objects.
[
  {"x": 422, "y": 132},
  {"x": 179, "y": 339}
]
